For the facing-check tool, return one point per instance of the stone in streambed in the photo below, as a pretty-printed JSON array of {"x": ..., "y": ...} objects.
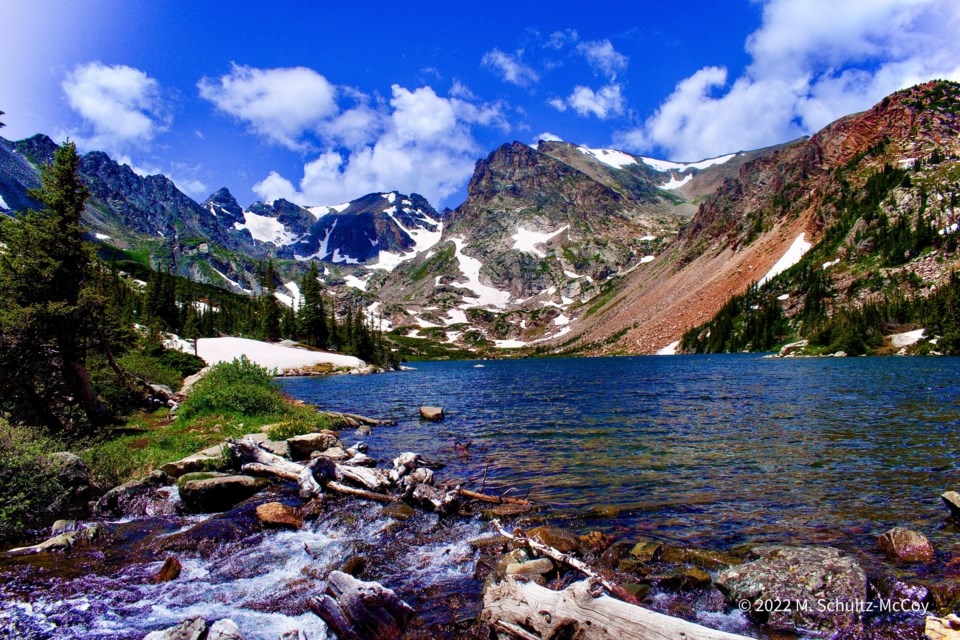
[
  {"x": 354, "y": 566},
  {"x": 225, "y": 629},
  {"x": 538, "y": 567},
  {"x": 686, "y": 579},
  {"x": 302, "y": 446},
  {"x": 709, "y": 560},
  {"x": 943, "y": 628},
  {"x": 63, "y": 526},
  {"x": 279, "y": 515},
  {"x": 431, "y": 413},
  {"x": 170, "y": 570},
  {"x": 794, "y": 574},
  {"x": 560, "y": 539},
  {"x": 906, "y": 545},
  {"x": 952, "y": 500},
  {"x": 189, "y": 629},
  {"x": 218, "y": 492},
  {"x": 398, "y": 511},
  {"x": 645, "y": 550}
]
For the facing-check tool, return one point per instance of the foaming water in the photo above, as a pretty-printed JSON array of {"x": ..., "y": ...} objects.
[{"x": 715, "y": 450}]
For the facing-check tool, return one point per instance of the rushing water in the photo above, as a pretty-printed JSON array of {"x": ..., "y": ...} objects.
[{"x": 707, "y": 450}]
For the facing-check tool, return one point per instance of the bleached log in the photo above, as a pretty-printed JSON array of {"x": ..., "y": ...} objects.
[
  {"x": 466, "y": 493},
  {"x": 372, "y": 479},
  {"x": 250, "y": 451},
  {"x": 528, "y": 611},
  {"x": 360, "y": 460},
  {"x": 361, "y": 493},
  {"x": 570, "y": 561},
  {"x": 258, "y": 469},
  {"x": 358, "y": 610}
]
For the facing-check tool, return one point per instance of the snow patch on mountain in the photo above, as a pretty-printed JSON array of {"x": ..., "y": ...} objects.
[
  {"x": 666, "y": 165},
  {"x": 357, "y": 283},
  {"x": 470, "y": 267},
  {"x": 320, "y": 211},
  {"x": 266, "y": 229},
  {"x": 527, "y": 241},
  {"x": 799, "y": 247},
  {"x": 610, "y": 157},
  {"x": 673, "y": 183}
]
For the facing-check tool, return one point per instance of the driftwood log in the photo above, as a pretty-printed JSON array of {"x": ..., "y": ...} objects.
[
  {"x": 525, "y": 610},
  {"x": 358, "y": 610}
]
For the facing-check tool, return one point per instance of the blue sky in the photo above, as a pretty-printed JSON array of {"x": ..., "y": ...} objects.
[{"x": 322, "y": 102}]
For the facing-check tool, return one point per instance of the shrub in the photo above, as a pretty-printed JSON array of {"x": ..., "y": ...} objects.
[
  {"x": 303, "y": 420},
  {"x": 150, "y": 368},
  {"x": 28, "y": 480},
  {"x": 238, "y": 387}
]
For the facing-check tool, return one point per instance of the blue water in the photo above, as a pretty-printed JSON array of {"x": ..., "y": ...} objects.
[{"x": 708, "y": 450}]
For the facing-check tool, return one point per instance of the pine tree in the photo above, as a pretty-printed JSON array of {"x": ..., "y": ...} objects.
[
  {"x": 269, "y": 306},
  {"x": 311, "y": 318},
  {"x": 45, "y": 321}
]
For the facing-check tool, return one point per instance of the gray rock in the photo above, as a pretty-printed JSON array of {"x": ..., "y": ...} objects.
[
  {"x": 302, "y": 446},
  {"x": 810, "y": 575},
  {"x": 431, "y": 413},
  {"x": 124, "y": 498},
  {"x": 952, "y": 500},
  {"x": 74, "y": 476},
  {"x": 189, "y": 629},
  {"x": 63, "y": 526},
  {"x": 225, "y": 629},
  {"x": 200, "y": 461},
  {"x": 217, "y": 493}
]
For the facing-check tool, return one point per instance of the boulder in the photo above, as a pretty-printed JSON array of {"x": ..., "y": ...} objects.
[
  {"x": 74, "y": 476},
  {"x": 334, "y": 453},
  {"x": 943, "y": 628},
  {"x": 217, "y": 493},
  {"x": 201, "y": 461},
  {"x": 906, "y": 545},
  {"x": 952, "y": 500},
  {"x": 808, "y": 575},
  {"x": 302, "y": 446},
  {"x": 538, "y": 567},
  {"x": 170, "y": 570},
  {"x": 61, "y": 542},
  {"x": 276, "y": 514},
  {"x": 189, "y": 629},
  {"x": 225, "y": 629},
  {"x": 63, "y": 526},
  {"x": 431, "y": 413},
  {"x": 123, "y": 499}
]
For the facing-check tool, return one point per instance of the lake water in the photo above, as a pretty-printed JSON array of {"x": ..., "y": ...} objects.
[{"x": 706, "y": 450}]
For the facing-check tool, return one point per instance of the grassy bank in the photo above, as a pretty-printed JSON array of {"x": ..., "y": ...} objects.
[{"x": 233, "y": 399}]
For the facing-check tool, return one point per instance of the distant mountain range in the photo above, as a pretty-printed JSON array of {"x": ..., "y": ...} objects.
[{"x": 557, "y": 246}]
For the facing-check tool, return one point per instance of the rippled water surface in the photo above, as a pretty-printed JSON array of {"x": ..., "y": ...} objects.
[{"x": 714, "y": 450}]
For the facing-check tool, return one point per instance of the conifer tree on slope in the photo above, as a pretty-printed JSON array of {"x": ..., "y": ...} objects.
[{"x": 44, "y": 318}]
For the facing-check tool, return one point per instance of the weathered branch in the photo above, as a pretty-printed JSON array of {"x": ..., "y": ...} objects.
[
  {"x": 361, "y": 493},
  {"x": 474, "y": 495}
]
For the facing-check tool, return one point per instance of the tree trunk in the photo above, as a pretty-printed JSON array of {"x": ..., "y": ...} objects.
[
  {"x": 358, "y": 610},
  {"x": 525, "y": 610}
]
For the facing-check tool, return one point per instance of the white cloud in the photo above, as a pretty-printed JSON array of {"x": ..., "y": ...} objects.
[
  {"x": 279, "y": 104},
  {"x": 603, "y": 103},
  {"x": 121, "y": 105},
  {"x": 423, "y": 143},
  {"x": 560, "y": 39},
  {"x": 812, "y": 61},
  {"x": 510, "y": 68},
  {"x": 601, "y": 55},
  {"x": 546, "y": 136}
]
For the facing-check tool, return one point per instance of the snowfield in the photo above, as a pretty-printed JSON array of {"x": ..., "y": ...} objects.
[
  {"x": 276, "y": 357},
  {"x": 799, "y": 247}
]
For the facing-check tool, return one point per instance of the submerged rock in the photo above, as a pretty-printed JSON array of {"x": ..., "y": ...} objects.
[
  {"x": 559, "y": 539},
  {"x": 952, "y": 500},
  {"x": 906, "y": 545},
  {"x": 170, "y": 570},
  {"x": 806, "y": 575},
  {"x": 189, "y": 629}
]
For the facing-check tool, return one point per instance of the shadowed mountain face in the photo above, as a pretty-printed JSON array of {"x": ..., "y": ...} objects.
[{"x": 556, "y": 246}]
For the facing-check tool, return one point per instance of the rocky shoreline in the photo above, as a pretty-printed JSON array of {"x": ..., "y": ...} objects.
[{"x": 757, "y": 589}]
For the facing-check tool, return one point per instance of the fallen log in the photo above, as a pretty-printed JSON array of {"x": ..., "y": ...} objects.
[
  {"x": 361, "y": 493},
  {"x": 570, "y": 561},
  {"x": 525, "y": 610},
  {"x": 474, "y": 495},
  {"x": 372, "y": 479},
  {"x": 358, "y": 610},
  {"x": 258, "y": 469},
  {"x": 250, "y": 451}
]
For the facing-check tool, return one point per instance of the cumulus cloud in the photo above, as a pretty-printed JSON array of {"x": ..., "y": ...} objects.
[
  {"x": 560, "y": 39},
  {"x": 603, "y": 103},
  {"x": 121, "y": 106},
  {"x": 279, "y": 104},
  {"x": 546, "y": 136},
  {"x": 421, "y": 142},
  {"x": 812, "y": 61},
  {"x": 510, "y": 68},
  {"x": 604, "y": 59}
]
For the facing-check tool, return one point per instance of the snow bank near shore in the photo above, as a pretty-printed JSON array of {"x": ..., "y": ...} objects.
[{"x": 265, "y": 354}]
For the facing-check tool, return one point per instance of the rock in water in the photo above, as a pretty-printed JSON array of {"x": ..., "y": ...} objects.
[
  {"x": 952, "y": 500},
  {"x": 279, "y": 515},
  {"x": 218, "y": 493},
  {"x": 169, "y": 571},
  {"x": 431, "y": 413},
  {"x": 906, "y": 545},
  {"x": 943, "y": 628},
  {"x": 809, "y": 575},
  {"x": 225, "y": 629},
  {"x": 190, "y": 629},
  {"x": 358, "y": 610}
]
